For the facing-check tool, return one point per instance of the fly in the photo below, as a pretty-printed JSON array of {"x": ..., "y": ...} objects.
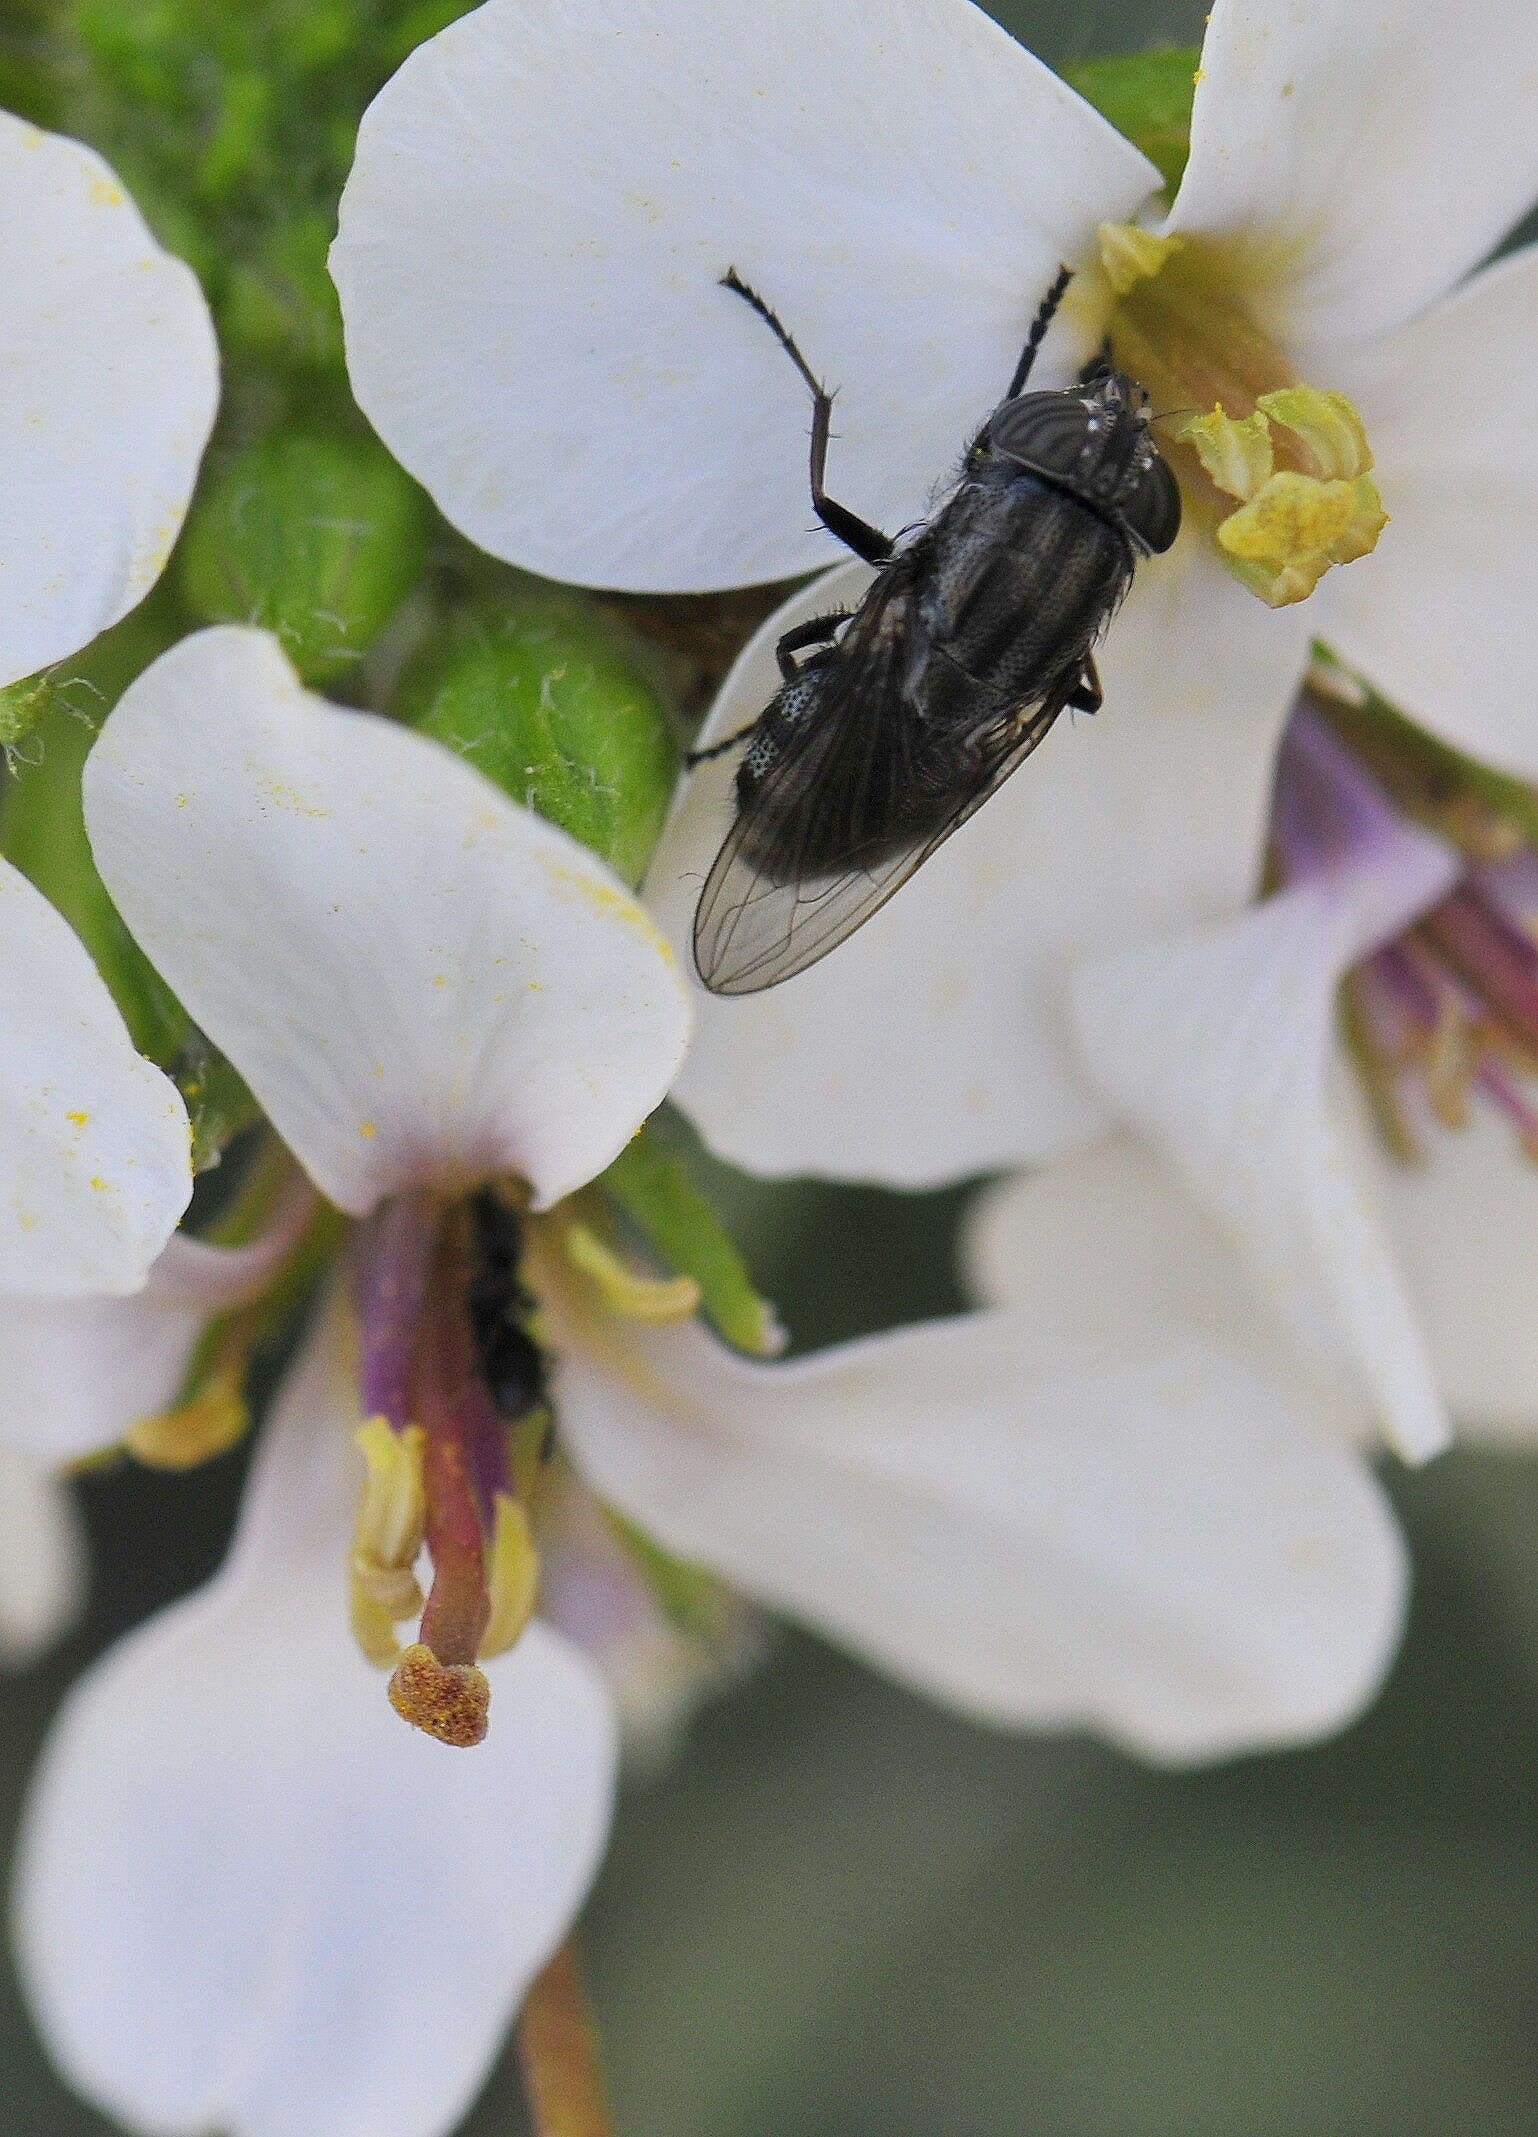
[{"x": 896, "y": 720}]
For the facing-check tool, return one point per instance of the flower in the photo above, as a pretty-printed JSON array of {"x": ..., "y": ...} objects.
[
  {"x": 110, "y": 385},
  {"x": 426, "y": 986},
  {"x": 569, "y": 382},
  {"x": 1243, "y": 1191},
  {"x": 429, "y": 988},
  {"x": 111, "y": 380}
]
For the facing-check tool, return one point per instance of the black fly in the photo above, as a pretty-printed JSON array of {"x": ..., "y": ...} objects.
[{"x": 906, "y": 714}]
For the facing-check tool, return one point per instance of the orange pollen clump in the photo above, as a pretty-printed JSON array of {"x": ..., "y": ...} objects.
[{"x": 449, "y": 1700}]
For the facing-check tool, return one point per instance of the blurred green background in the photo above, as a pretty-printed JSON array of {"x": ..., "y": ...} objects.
[{"x": 841, "y": 1913}]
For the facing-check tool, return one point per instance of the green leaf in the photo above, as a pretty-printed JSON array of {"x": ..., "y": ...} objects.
[
  {"x": 1146, "y": 96},
  {"x": 540, "y": 695},
  {"x": 652, "y": 1187},
  {"x": 316, "y": 538},
  {"x": 42, "y": 832}
]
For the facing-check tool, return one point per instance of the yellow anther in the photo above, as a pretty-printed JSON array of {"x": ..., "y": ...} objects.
[
  {"x": 388, "y": 1536},
  {"x": 1236, "y": 454},
  {"x": 1284, "y": 540},
  {"x": 449, "y": 1700},
  {"x": 637, "y": 1298},
  {"x": 1329, "y": 427},
  {"x": 209, "y": 1421},
  {"x": 512, "y": 1578},
  {"x": 1289, "y": 519},
  {"x": 1129, "y": 254}
]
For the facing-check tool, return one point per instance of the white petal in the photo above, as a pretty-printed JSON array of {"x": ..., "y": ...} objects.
[
  {"x": 111, "y": 380},
  {"x": 1364, "y": 156},
  {"x": 94, "y": 1143},
  {"x": 250, "y": 1897},
  {"x": 1108, "y": 1232},
  {"x": 1215, "y": 1045},
  {"x": 1440, "y": 616},
  {"x": 42, "y": 1559},
  {"x": 934, "y": 1042},
  {"x": 1042, "y": 1528},
  {"x": 77, "y": 1374},
  {"x": 1465, "y": 1232},
  {"x": 420, "y": 981},
  {"x": 546, "y": 196}
]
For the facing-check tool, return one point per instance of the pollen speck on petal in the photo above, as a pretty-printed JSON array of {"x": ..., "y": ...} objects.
[{"x": 448, "y": 1700}]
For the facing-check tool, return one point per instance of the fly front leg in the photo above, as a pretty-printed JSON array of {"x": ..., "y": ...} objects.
[
  {"x": 1046, "y": 311},
  {"x": 867, "y": 542}
]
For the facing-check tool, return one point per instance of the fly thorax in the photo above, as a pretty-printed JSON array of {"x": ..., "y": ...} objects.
[{"x": 1277, "y": 467}]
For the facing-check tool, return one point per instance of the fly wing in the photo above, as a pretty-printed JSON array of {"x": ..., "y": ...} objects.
[{"x": 841, "y": 822}]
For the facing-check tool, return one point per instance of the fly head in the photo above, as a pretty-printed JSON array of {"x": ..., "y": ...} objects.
[{"x": 1092, "y": 440}]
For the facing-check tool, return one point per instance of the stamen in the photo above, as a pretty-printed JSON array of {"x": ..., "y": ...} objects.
[
  {"x": 1453, "y": 1000},
  {"x": 388, "y": 1536},
  {"x": 1296, "y": 458},
  {"x": 392, "y": 1252},
  {"x": 514, "y": 1577},
  {"x": 1498, "y": 965},
  {"x": 624, "y": 1290},
  {"x": 1129, "y": 254},
  {"x": 207, "y": 1423}
]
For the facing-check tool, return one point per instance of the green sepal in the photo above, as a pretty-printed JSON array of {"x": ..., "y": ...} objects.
[
  {"x": 1427, "y": 777},
  {"x": 279, "y": 304},
  {"x": 42, "y": 832},
  {"x": 696, "y": 1600},
  {"x": 318, "y": 539},
  {"x": 539, "y": 693},
  {"x": 651, "y": 1186},
  {"x": 1147, "y": 97}
]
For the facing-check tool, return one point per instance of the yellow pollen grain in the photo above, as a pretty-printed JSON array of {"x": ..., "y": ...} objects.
[
  {"x": 77, "y": 1120},
  {"x": 367, "y": 1130},
  {"x": 99, "y": 1183},
  {"x": 610, "y": 902}
]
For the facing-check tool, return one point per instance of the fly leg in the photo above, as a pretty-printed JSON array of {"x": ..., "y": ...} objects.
[
  {"x": 1045, "y": 313},
  {"x": 818, "y": 631},
  {"x": 692, "y": 757},
  {"x": 1086, "y": 694},
  {"x": 857, "y": 534}
]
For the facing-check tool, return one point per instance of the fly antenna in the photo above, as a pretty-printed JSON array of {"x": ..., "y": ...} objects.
[{"x": 1045, "y": 313}]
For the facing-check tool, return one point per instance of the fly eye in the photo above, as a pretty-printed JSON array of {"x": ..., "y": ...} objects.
[
  {"x": 1043, "y": 431},
  {"x": 1152, "y": 508}
]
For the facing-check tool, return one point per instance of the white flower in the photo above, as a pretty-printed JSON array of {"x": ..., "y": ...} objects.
[
  {"x": 107, "y": 391},
  {"x": 108, "y": 384},
  {"x": 1241, "y": 1191},
  {"x": 426, "y": 986},
  {"x": 528, "y": 279},
  {"x": 232, "y": 1840}
]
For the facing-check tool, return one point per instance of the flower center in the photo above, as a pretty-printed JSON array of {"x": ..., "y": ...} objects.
[
  {"x": 453, "y": 1381},
  {"x": 1448, "y": 1010},
  {"x": 453, "y": 1386},
  {"x": 1277, "y": 469}
]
